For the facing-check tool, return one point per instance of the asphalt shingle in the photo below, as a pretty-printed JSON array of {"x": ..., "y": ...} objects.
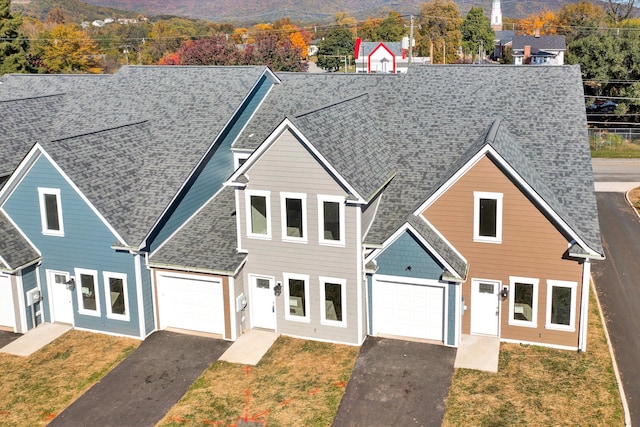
[{"x": 15, "y": 251}]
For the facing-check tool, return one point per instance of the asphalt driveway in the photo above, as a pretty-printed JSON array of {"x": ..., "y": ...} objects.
[
  {"x": 144, "y": 386},
  {"x": 397, "y": 383},
  {"x": 617, "y": 281},
  {"x": 7, "y": 337}
]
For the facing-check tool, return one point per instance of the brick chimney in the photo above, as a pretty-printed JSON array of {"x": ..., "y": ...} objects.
[{"x": 527, "y": 55}]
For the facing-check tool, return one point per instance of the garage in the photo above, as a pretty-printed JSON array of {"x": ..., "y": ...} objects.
[
  {"x": 190, "y": 302},
  {"x": 414, "y": 310},
  {"x": 7, "y": 313}
]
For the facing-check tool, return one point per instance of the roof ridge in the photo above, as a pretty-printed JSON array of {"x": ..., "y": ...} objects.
[
  {"x": 101, "y": 130},
  {"x": 333, "y": 104},
  {"x": 493, "y": 131}
]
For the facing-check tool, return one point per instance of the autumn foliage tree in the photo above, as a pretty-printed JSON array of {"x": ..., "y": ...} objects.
[
  {"x": 439, "y": 26},
  {"x": 543, "y": 23},
  {"x": 67, "y": 49}
]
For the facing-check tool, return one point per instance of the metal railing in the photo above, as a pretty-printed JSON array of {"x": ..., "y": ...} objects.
[{"x": 613, "y": 137}]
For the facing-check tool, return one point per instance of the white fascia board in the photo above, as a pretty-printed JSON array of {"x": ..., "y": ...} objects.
[
  {"x": 271, "y": 139},
  {"x": 273, "y": 78},
  {"x": 522, "y": 184},
  {"x": 398, "y": 233},
  {"x": 17, "y": 175}
]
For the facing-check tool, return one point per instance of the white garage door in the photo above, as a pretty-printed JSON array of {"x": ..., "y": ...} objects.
[
  {"x": 408, "y": 310},
  {"x": 7, "y": 314},
  {"x": 191, "y": 303}
]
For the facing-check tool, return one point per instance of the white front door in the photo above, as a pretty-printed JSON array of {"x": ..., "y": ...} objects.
[
  {"x": 7, "y": 313},
  {"x": 485, "y": 307},
  {"x": 60, "y": 297},
  {"x": 263, "y": 302}
]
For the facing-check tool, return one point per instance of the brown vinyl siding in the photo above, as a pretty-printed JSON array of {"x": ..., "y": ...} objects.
[
  {"x": 531, "y": 247},
  {"x": 287, "y": 166}
]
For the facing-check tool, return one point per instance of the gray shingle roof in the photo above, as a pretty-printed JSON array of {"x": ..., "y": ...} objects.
[
  {"x": 15, "y": 251},
  {"x": 162, "y": 120},
  {"x": 208, "y": 241},
  {"x": 24, "y": 122},
  {"x": 367, "y": 47},
  {"x": 542, "y": 43},
  {"x": 341, "y": 133}
]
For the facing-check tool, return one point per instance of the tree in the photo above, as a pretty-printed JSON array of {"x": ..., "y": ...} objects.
[
  {"x": 67, "y": 49},
  {"x": 216, "y": 50},
  {"x": 439, "y": 25},
  {"x": 278, "y": 56},
  {"x": 391, "y": 29},
  {"x": 13, "y": 46},
  {"x": 543, "y": 23},
  {"x": 477, "y": 32},
  {"x": 619, "y": 10},
  {"x": 576, "y": 20},
  {"x": 339, "y": 41},
  {"x": 368, "y": 31}
]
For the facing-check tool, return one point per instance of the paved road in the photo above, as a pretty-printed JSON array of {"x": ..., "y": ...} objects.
[
  {"x": 397, "y": 383},
  {"x": 617, "y": 282},
  {"x": 616, "y": 170},
  {"x": 143, "y": 387}
]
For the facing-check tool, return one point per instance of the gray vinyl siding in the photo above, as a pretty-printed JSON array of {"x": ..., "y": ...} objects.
[
  {"x": 369, "y": 213},
  {"x": 288, "y": 167},
  {"x": 86, "y": 244},
  {"x": 214, "y": 170}
]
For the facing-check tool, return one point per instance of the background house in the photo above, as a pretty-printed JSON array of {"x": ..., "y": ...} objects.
[{"x": 539, "y": 50}]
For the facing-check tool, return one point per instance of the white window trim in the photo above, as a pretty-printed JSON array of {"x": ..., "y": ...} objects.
[
  {"x": 512, "y": 297},
  {"x": 267, "y": 196},
  {"x": 43, "y": 211},
  {"x": 343, "y": 298},
  {"x": 96, "y": 285},
  {"x": 572, "y": 319},
  {"x": 341, "y": 203},
  {"x": 307, "y": 304},
  {"x": 106, "y": 275},
  {"x": 477, "y": 195},
  {"x": 283, "y": 217}
]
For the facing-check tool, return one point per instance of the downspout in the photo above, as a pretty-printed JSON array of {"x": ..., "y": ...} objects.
[{"x": 584, "y": 305}]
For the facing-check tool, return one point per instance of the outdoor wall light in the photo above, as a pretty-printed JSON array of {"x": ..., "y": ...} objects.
[
  {"x": 71, "y": 284},
  {"x": 504, "y": 292},
  {"x": 277, "y": 289}
]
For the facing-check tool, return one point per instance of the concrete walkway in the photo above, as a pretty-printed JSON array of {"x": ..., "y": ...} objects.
[
  {"x": 250, "y": 347},
  {"x": 479, "y": 353},
  {"x": 615, "y": 187},
  {"x": 36, "y": 338}
]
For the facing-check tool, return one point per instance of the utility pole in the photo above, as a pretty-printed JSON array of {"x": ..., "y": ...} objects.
[{"x": 410, "y": 39}]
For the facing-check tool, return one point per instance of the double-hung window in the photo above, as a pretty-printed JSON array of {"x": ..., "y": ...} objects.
[
  {"x": 561, "y": 303},
  {"x": 331, "y": 220},
  {"x": 333, "y": 301},
  {"x": 51, "y": 211},
  {"x": 294, "y": 216},
  {"x": 115, "y": 285},
  {"x": 487, "y": 217},
  {"x": 296, "y": 294},
  {"x": 258, "y": 208},
  {"x": 87, "y": 291},
  {"x": 523, "y": 302}
]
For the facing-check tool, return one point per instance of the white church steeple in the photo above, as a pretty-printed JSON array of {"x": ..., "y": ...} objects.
[{"x": 496, "y": 16}]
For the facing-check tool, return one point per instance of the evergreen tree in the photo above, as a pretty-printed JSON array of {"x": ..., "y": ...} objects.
[
  {"x": 13, "y": 47},
  {"x": 477, "y": 33}
]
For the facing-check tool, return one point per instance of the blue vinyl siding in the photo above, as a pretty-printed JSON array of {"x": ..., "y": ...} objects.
[
  {"x": 86, "y": 244},
  {"x": 213, "y": 171},
  {"x": 407, "y": 257},
  {"x": 29, "y": 282},
  {"x": 149, "y": 322},
  {"x": 451, "y": 321}
]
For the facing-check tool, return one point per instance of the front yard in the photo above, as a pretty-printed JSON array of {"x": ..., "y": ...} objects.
[
  {"x": 35, "y": 389},
  {"x": 541, "y": 386},
  {"x": 300, "y": 383}
]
